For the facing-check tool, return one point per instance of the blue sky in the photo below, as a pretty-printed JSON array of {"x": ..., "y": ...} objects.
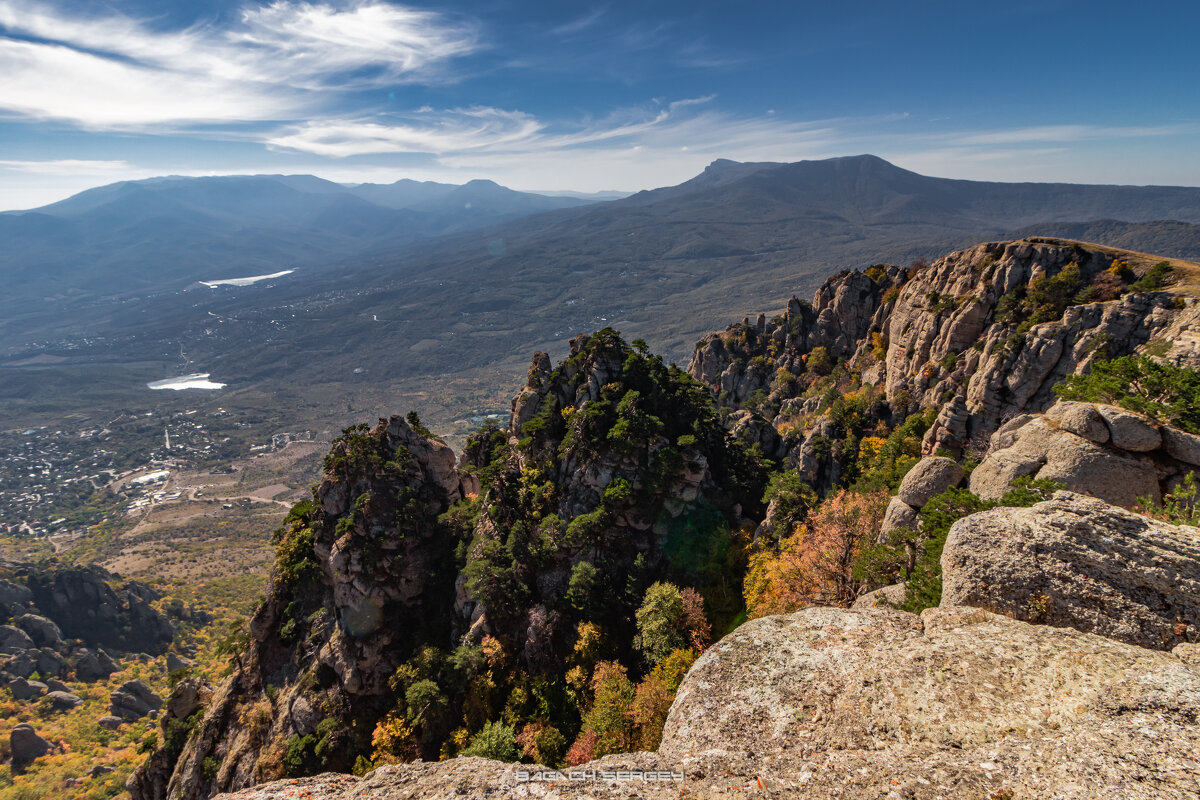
[{"x": 591, "y": 96}]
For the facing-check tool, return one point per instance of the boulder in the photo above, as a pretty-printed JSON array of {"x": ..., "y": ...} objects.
[
  {"x": 14, "y": 640},
  {"x": 899, "y": 514},
  {"x": 187, "y": 696},
  {"x": 48, "y": 661},
  {"x": 1131, "y": 431},
  {"x": 109, "y": 722},
  {"x": 1076, "y": 562},
  {"x": 100, "y": 769},
  {"x": 929, "y": 477},
  {"x": 24, "y": 689},
  {"x": 55, "y": 685},
  {"x": 93, "y": 665},
  {"x": 1081, "y": 419},
  {"x": 1182, "y": 446},
  {"x": 886, "y": 597},
  {"x": 23, "y": 664},
  {"x": 1042, "y": 451},
  {"x": 133, "y": 700},
  {"x": 42, "y": 631},
  {"x": 63, "y": 701},
  {"x": 26, "y": 746},
  {"x": 175, "y": 662}
]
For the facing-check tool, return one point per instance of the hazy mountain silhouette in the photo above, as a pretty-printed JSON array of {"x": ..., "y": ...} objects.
[
  {"x": 666, "y": 265},
  {"x": 164, "y": 233}
]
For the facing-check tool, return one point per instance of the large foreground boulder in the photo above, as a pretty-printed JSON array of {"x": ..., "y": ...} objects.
[
  {"x": 1077, "y": 562},
  {"x": 955, "y": 703}
]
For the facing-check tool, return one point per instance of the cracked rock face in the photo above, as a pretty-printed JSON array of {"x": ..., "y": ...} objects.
[
  {"x": 869, "y": 704},
  {"x": 1077, "y": 562}
]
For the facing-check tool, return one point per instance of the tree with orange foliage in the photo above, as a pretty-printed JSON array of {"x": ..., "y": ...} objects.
[{"x": 815, "y": 566}]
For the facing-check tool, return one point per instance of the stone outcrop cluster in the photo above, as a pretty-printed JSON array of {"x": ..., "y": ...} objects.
[
  {"x": 70, "y": 622},
  {"x": 936, "y": 336},
  {"x": 1099, "y": 450}
]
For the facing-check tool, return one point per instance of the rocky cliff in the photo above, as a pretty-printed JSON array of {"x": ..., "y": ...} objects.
[
  {"x": 365, "y": 575},
  {"x": 981, "y": 335},
  {"x": 414, "y": 601}
]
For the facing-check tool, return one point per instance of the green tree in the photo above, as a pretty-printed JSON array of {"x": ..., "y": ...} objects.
[
  {"x": 660, "y": 628},
  {"x": 1163, "y": 391},
  {"x": 494, "y": 740}
]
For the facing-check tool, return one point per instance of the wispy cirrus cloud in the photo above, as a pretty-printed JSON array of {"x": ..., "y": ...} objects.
[
  {"x": 67, "y": 166},
  {"x": 279, "y": 61}
]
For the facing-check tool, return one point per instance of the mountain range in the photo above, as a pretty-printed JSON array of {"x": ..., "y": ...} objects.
[
  {"x": 163, "y": 233},
  {"x": 372, "y": 305}
]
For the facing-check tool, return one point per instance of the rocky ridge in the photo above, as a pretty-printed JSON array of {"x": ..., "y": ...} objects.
[{"x": 982, "y": 334}]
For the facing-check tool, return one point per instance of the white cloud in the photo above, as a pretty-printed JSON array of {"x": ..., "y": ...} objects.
[
  {"x": 67, "y": 166},
  {"x": 423, "y": 132},
  {"x": 279, "y": 61}
]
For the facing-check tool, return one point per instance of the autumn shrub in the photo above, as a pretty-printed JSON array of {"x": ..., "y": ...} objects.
[{"x": 815, "y": 566}]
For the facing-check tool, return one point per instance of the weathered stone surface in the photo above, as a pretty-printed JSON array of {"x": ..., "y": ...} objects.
[
  {"x": 26, "y": 746},
  {"x": 110, "y": 722},
  {"x": 955, "y": 703},
  {"x": 1077, "y": 562},
  {"x": 14, "y": 640},
  {"x": 1188, "y": 653},
  {"x": 882, "y": 598},
  {"x": 1081, "y": 419},
  {"x": 1042, "y": 451},
  {"x": 899, "y": 514},
  {"x": 930, "y": 477},
  {"x": 176, "y": 662},
  {"x": 187, "y": 696},
  {"x": 1130, "y": 431},
  {"x": 1182, "y": 446}
]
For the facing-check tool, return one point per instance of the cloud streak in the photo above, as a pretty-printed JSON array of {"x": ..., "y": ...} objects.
[{"x": 276, "y": 62}]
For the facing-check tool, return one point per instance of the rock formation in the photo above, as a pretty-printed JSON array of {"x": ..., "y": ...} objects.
[
  {"x": 968, "y": 335},
  {"x": 866, "y": 704},
  {"x": 1099, "y": 450},
  {"x": 1080, "y": 563},
  {"x": 365, "y": 572}
]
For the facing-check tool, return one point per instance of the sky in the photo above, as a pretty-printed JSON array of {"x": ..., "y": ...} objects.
[{"x": 592, "y": 96}]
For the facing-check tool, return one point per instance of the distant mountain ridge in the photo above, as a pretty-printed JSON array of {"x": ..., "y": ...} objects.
[
  {"x": 157, "y": 233},
  {"x": 665, "y": 265}
]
